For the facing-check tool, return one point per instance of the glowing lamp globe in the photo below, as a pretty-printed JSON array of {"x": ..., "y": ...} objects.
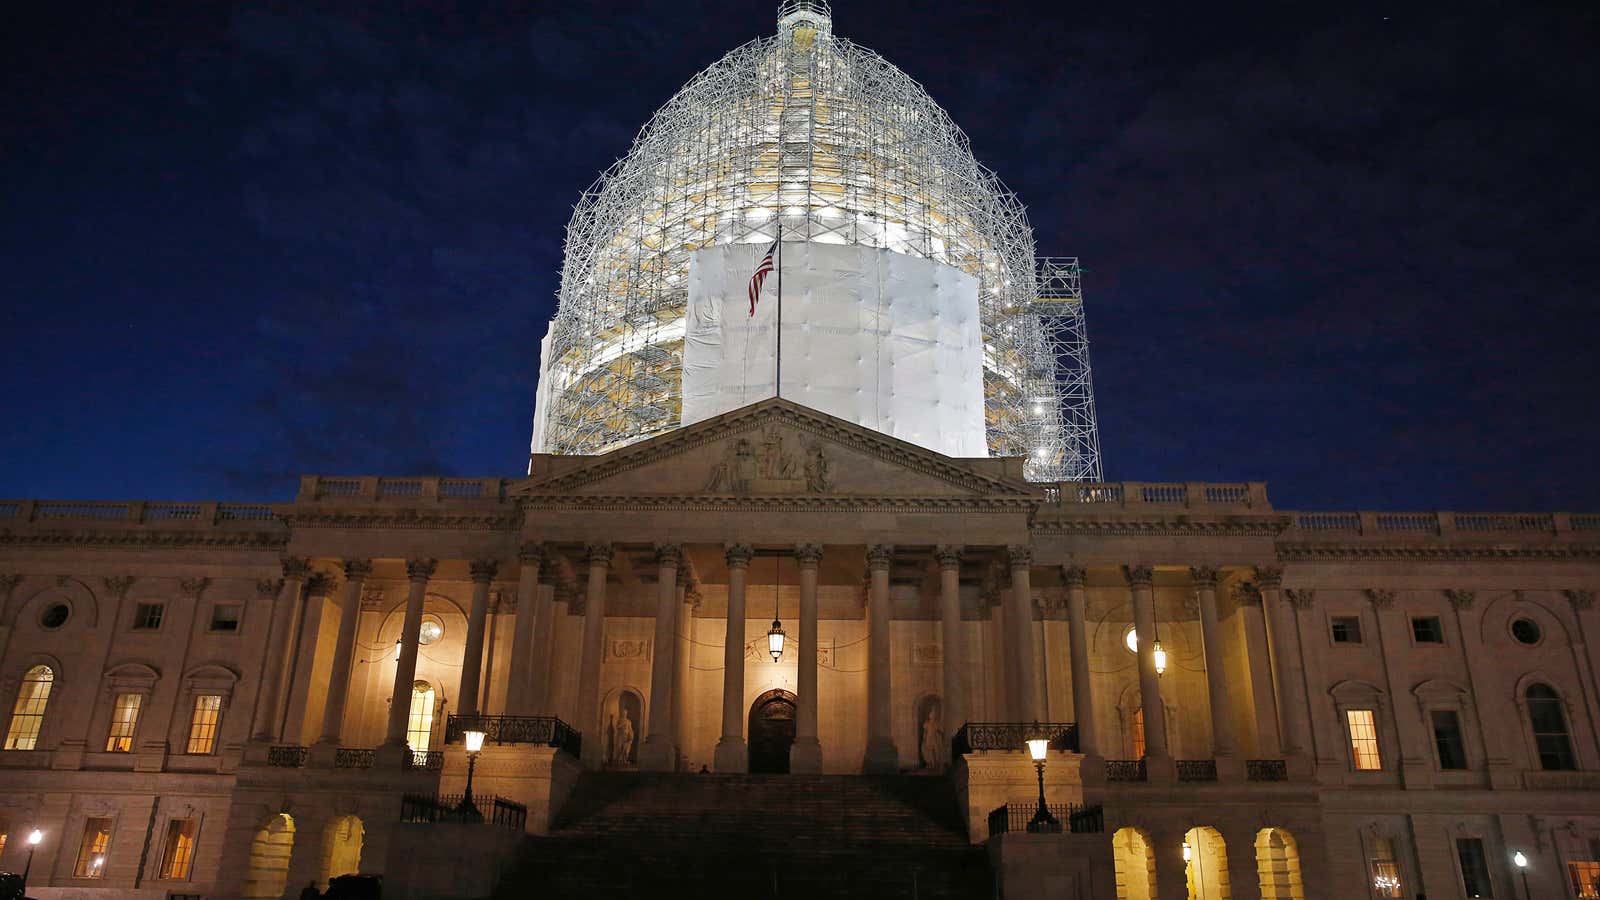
[
  {"x": 474, "y": 741},
  {"x": 1037, "y": 748},
  {"x": 35, "y": 837},
  {"x": 1160, "y": 654},
  {"x": 1520, "y": 860},
  {"x": 775, "y": 639}
]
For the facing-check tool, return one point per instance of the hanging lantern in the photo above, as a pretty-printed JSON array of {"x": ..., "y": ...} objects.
[
  {"x": 1160, "y": 654},
  {"x": 397, "y": 646},
  {"x": 775, "y": 640}
]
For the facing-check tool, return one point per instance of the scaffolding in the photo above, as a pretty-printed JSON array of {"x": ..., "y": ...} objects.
[{"x": 827, "y": 137}]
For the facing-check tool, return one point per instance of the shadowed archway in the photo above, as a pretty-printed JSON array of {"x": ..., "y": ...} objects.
[{"x": 771, "y": 731}]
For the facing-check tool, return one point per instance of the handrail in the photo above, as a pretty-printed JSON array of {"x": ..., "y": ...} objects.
[{"x": 1080, "y": 818}]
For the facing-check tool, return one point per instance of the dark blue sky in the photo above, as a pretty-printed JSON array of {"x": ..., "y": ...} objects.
[{"x": 1344, "y": 248}]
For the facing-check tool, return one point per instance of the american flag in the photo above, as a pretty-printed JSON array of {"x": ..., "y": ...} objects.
[{"x": 761, "y": 273}]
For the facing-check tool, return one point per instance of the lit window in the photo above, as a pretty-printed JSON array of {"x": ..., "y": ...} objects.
[
  {"x": 1136, "y": 729},
  {"x": 1363, "y": 738},
  {"x": 419, "y": 727},
  {"x": 1474, "y": 868},
  {"x": 124, "y": 718},
  {"x": 1346, "y": 629},
  {"x": 225, "y": 616},
  {"x": 1550, "y": 734},
  {"x": 1130, "y": 639},
  {"x": 92, "y": 850},
  {"x": 1585, "y": 875},
  {"x": 203, "y": 724},
  {"x": 1385, "y": 869},
  {"x": 1447, "y": 739},
  {"x": 147, "y": 616},
  {"x": 28, "y": 715},
  {"x": 1427, "y": 630},
  {"x": 178, "y": 856}
]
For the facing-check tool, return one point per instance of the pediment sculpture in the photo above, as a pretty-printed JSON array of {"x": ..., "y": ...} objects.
[{"x": 770, "y": 464}]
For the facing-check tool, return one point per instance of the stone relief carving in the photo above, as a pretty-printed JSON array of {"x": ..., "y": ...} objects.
[
  {"x": 767, "y": 466},
  {"x": 927, "y": 654},
  {"x": 625, "y": 650}
]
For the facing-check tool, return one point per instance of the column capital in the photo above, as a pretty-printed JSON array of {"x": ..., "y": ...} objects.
[
  {"x": 1021, "y": 555},
  {"x": 879, "y": 556},
  {"x": 321, "y": 584},
  {"x": 669, "y": 554},
  {"x": 531, "y": 553},
  {"x": 809, "y": 556},
  {"x": 296, "y": 567},
  {"x": 1581, "y": 600},
  {"x": 357, "y": 569},
  {"x": 117, "y": 585},
  {"x": 1247, "y": 593},
  {"x": 1380, "y": 598},
  {"x": 1461, "y": 600},
  {"x": 598, "y": 553},
  {"x": 421, "y": 568},
  {"x": 1269, "y": 577},
  {"x": 739, "y": 555},
  {"x": 484, "y": 570},
  {"x": 1203, "y": 576},
  {"x": 685, "y": 577},
  {"x": 1300, "y": 598},
  {"x": 1139, "y": 575},
  {"x": 269, "y": 587},
  {"x": 948, "y": 555},
  {"x": 1074, "y": 576}
]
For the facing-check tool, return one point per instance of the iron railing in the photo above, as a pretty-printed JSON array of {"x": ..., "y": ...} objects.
[
  {"x": 1077, "y": 817},
  {"x": 425, "y": 760},
  {"x": 976, "y": 736},
  {"x": 491, "y": 810},
  {"x": 1266, "y": 770},
  {"x": 1126, "y": 770},
  {"x": 1197, "y": 770},
  {"x": 287, "y": 756},
  {"x": 547, "y": 730},
  {"x": 353, "y": 758}
]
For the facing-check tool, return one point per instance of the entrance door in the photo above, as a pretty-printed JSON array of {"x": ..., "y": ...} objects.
[{"x": 771, "y": 732}]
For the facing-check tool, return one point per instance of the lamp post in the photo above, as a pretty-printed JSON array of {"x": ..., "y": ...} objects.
[
  {"x": 34, "y": 837},
  {"x": 776, "y": 635},
  {"x": 1522, "y": 868},
  {"x": 1042, "y": 822},
  {"x": 466, "y": 809}
]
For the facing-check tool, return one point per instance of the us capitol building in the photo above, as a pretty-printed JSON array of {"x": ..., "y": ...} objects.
[{"x": 809, "y": 569}]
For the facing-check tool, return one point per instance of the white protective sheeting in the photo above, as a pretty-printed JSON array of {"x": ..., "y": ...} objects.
[
  {"x": 885, "y": 340},
  {"x": 541, "y": 396}
]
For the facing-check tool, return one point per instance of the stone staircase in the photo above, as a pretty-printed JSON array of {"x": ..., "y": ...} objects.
[{"x": 754, "y": 836}]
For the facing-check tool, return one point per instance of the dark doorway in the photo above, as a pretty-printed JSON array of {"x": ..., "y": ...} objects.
[{"x": 771, "y": 732}]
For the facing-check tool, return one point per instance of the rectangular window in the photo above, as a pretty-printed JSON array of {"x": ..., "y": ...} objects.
[
  {"x": 1474, "y": 868},
  {"x": 147, "y": 616},
  {"x": 1585, "y": 875},
  {"x": 178, "y": 855},
  {"x": 92, "y": 850},
  {"x": 1447, "y": 739},
  {"x": 203, "y": 725},
  {"x": 1363, "y": 739},
  {"x": 124, "y": 719},
  {"x": 1346, "y": 629},
  {"x": 1385, "y": 869},
  {"x": 225, "y": 616},
  {"x": 1427, "y": 630}
]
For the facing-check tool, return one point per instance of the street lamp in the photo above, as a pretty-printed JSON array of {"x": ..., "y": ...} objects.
[
  {"x": 776, "y": 635},
  {"x": 1042, "y": 821},
  {"x": 1522, "y": 867},
  {"x": 466, "y": 809},
  {"x": 34, "y": 837}
]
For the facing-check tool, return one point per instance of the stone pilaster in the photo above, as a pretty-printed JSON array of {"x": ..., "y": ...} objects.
[
  {"x": 594, "y": 635},
  {"x": 732, "y": 755},
  {"x": 483, "y": 572},
  {"x": 356, "y": 573},
  {"x": 295, "y": 572},
  {"x": 805, "y": 756},
  {"x": 1025, "y": 705},
  {"x": 955, "y": 650},
  {"x": 418, "y": 571},
  {"x": 659, "y": 751}
]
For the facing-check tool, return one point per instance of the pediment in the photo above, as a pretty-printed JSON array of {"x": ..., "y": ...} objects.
[{"x": 774, "y": 448}]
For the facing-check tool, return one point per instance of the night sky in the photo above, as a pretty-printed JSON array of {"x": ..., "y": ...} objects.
[{"x": 1345, "y": 248}]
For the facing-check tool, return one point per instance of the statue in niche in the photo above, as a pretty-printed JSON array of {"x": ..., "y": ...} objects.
[
  {"x": 621, "y": 731},
  {"x": 931, "y": 744}
]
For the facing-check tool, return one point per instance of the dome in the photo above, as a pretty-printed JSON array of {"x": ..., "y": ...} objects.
[{"x": 805, "y": 128}]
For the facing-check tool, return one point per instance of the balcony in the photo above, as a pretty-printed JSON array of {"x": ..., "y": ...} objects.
[
  {"x": 547, "y": 730},
  {"x": 983, "y": 736}
]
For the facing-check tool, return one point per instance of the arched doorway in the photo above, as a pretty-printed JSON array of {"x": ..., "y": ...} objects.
[
  {"x": 268, "y": 872},
  {"x": 341, "y": 852},
  {"x": 1205, "y": 859},
  {"x": 1278, "y": 864},
  {"x": 1135, "y": 864},
  {"x": 771, "y": 732}
]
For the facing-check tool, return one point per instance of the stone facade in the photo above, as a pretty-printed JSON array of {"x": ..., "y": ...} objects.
[{"x": 1345, "y": 697}]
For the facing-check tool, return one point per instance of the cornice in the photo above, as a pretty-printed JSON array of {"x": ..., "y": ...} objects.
[
  {"x": 141, "y": 539},
  {"x": 405, "y": 520},
  {"x": 1181, "y": 526},
  {"x": 1305, "y": 552},
  {"x": 905, "y": 455},
  {"x": 788, "y": 502}
]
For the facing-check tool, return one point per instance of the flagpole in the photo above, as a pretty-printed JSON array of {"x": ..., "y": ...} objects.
[{"x": 777, "y": 382}]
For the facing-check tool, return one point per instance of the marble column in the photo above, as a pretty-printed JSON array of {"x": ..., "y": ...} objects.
[
  {"x": 1025, "y": 706},
  {"x": 805, "y": 756},
  {"x": 1294, "y": 722},
  {"x": 520, "y": 688},
  {"x": 356, "y": 573},
  {"x": 881, "y": 753},
  {"x": 594, "y": 636},
  {"x": 418, "y": 571},
  {"x": 279, "y": 636},
  {"x": 1140, "y": 584},
  {"x": 731, "y": 754},
  {"x": 1078, "y": 644},
  {"x": 1205, "y": 588},
  {"x": 955, "y": 649},
  {"x": 483, "y": 572},
  {"x": 659, "y": 751}
]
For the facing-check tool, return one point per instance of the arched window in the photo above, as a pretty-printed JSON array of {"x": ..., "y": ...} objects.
[
  {"x": 1136, "y": 733},
  {"x": 1548, "y": 719},
  {"x": 28, "y": 715},
  {"x": 419, "y": 727}
]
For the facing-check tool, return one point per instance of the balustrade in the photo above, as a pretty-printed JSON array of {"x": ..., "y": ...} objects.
[
  {"x": 353, "y": 758},
  {"x": 1080, "y": 818},
  {"x": 1126, "y": 770},
  {"x": 1266, "y": 770},
  {"x": 287, "y": 756},
  {"x": 1197, "y": 770},
  {"x": 547, "y": 730},
  {"x": 490, "y": 810},
  {"x": 981, "y": 736}
]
